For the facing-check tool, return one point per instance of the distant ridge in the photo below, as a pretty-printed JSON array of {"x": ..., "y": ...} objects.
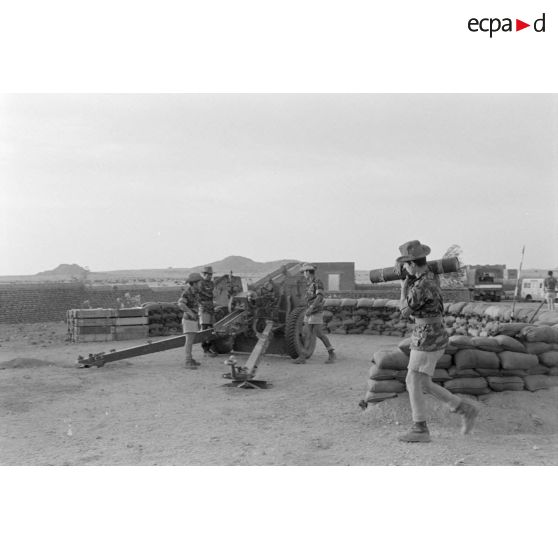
[{"x": 239, "y": 265}]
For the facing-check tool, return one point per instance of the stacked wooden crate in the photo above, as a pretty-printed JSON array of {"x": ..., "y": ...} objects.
[{"x": 106, "y": 324}]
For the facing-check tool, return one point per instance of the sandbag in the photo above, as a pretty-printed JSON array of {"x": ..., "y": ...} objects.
[
  {"x": 475, "y": 358},
  {"x": 394, "y": 359},
  {"x": 365, "y": 303},
  {"x": 512, "y": 329},
  {"x": 440, "y": 375},
  {"x": 549, "y": 359},
  {"x": 486, "y": 344},
  {"x": 456, "y": 308},
  {"x": 467, "y": 310},
  {"x": 460, "y": 342},
  {"x": 380, "y": 302},
  {"x": 539, "y": 369},
  {"x": 510, "y": 360},
  {"x": 485, "y": 372},
  {"x": 332, "y": 302},
  {"x": 508, "y": 343},
  {"x": 472, "y": 386},
  {"x": 455, "y": 372},
  {"x": 386, "y": 386},
  {"x": 534, "y": 383},
  {"x": 552, "y": 381},
  {"x": 445, "y": 361},
  {"x": 553, "y": 371},
  {"x": 543, "y": 333},
  {"x": 377, "y": 373},
  {"x": 510, "y": 383},
  {"x": 348, "y": 303},
  {"x": 513, "y": 372}
]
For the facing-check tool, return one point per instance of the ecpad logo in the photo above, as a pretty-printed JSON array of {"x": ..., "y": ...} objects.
[{"x": 493, "y": 25}]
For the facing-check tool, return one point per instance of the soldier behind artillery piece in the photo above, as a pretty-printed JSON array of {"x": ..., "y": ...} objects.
[
  {"x": 550, "y": 290},
  {"x": 189, "y": 303},
  {"x": 314, "y": 315},
  {"x": 207, "y": 307},
  {"x": 421, "y": 298}
]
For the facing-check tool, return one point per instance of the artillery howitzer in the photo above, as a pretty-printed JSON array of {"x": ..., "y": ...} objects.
[{"x": 268, "y": 317}]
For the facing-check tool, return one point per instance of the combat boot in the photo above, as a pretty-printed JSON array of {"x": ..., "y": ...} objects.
[
  {"x": 191, "y": 364},
  {"x": 331, "y": 357},
  {"x": 468, "y": 414},
  {"x": 196, "y": 363},
  {"x": 300, "y": 359},
  {"x": 417, "y": 433}
]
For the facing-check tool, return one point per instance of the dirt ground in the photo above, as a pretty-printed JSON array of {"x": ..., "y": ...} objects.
[{"x": 150, "y": 411}]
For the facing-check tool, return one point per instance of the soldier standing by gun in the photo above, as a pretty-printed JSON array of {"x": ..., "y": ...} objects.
[
  {"x": 550, "y": 290},
  {"x": 207, "y": 307},
  {"x": 189, "y": 304},
  {"x": 421, "y": 298},
  {"x": 314, "y": 315}
]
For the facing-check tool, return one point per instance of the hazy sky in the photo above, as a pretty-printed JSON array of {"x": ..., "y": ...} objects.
[{"x": 148, "y": 181}]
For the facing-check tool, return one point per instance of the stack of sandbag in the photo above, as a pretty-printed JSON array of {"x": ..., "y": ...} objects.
[
  {"x": 387, "y": 374},
  {"x": 541, "y": 341},
  {"x": 332, "y": 314},
  {"x": 346, "y": 311}
]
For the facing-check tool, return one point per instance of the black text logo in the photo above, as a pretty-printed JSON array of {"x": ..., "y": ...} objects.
[{"x": 493, "y": 25}]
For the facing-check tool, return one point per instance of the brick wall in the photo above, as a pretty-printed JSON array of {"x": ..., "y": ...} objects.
[{"x": 48, "y": 302}]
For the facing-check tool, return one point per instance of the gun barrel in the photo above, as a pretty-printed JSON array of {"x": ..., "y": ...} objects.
[{"x": 439, "y": 267}]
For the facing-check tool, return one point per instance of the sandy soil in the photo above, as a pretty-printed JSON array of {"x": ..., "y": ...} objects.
[{"x": 150, "y": 411}]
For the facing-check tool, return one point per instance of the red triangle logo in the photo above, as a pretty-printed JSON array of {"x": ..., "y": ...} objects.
[{"x": 519, "y": 25}]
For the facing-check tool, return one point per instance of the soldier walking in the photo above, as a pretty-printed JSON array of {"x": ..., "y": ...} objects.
[
  {"x": 207, "y": 307},
  {"x": 421, "y": 298},
  {"x": 189, "y": 303},
  {"x": 314, "y": 315}
]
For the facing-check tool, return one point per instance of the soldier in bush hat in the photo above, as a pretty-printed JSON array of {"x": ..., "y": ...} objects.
[
  {"x": 421, "y": 298},
  {"x": 189, "y": 303},
  {"x": 314, "y": 315},
  {"x": 207, "y": 307},
  {"x": 550, "y": 290}
]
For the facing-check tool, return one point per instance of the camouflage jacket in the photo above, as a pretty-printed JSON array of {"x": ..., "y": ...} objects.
[
  {"x": 314, "y": 296},
  {"x": 423, "y": 299},
  {"x": 549, "y": 284},
  {"x": 206, "y": 296},
  {"x": 189, "y": 303}
]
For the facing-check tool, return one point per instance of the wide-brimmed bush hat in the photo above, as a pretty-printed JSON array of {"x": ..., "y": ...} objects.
[
  {"x": 207, "y": 269},
  {"x": 308, "y": 267},
  {"x": 412, "y": 250}
]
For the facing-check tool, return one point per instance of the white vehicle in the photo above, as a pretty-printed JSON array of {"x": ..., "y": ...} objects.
[{"x": 532, "y": 289}]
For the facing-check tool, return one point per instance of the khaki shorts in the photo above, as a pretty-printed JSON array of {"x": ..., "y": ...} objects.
[
  {"x": 207, "y": 318},
  {"x": 190, "y": 326},
  {"x": 314, "y": 319},
  {"x": 424, "y": 361}
]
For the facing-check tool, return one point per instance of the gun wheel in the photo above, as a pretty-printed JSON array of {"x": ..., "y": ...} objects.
[{"x": 294, "y": 339}]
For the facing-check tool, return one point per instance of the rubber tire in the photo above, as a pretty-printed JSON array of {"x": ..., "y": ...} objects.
[{"x": 293, "y": 334}]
